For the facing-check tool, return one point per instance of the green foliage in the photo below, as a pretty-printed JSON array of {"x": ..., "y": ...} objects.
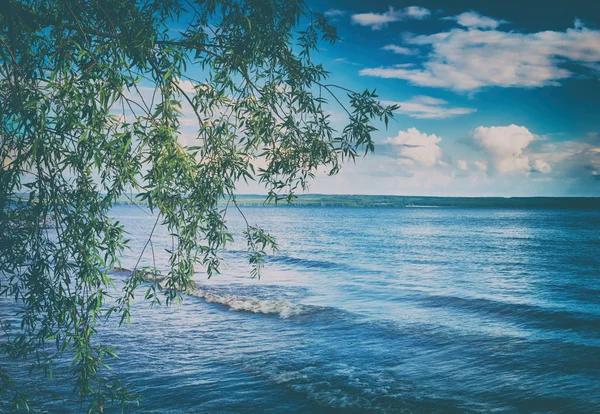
[
  {"x": 92, "y": 95},
  {"x": 18, "y": 399}
]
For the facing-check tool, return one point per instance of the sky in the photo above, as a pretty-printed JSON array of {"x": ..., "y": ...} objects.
[{"x": 498, "y": 98}]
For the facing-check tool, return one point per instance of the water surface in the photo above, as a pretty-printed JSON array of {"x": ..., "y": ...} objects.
[{"x": 376, "y": 310}]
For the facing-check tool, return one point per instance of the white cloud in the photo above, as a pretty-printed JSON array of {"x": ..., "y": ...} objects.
[
  {"x": 506, "y": 146},
  {"x": 416, "y": 148},
  {"x": 334, "y": 13},
  {"x": 426, "y": 107},
  {"x": 476, "y": 21},
  {"x": 481, "y": 165},
  {"x": 399, "y": 50},
  {"x": 345, "y": 60},
  {"x": 378, "y": 21},
  {"x": 470, "y": 59},
  {"x": 462, "y": 165},
  {"x": 416, "y": 12},
  {"x": 574, "y": 159},
  {"x": 186, "y": 86},
  {"x": 541, "y": 166}
]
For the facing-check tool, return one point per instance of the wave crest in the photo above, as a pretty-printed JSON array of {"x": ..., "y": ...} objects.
[{"x": 283, "y": 308}]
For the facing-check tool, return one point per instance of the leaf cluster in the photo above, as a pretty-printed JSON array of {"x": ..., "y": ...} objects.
[{"x": 96, "y": 98}]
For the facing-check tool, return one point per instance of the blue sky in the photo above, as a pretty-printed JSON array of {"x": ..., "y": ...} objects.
[{"x": 497, "y": 98}]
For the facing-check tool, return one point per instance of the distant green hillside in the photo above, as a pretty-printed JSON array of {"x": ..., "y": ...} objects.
[
  {"x": 414, "y": 201},
  {"x": 324, "y": 200}
]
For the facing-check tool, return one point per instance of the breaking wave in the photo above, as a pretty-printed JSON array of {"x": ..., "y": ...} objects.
[{"x": 283, "y": 308}]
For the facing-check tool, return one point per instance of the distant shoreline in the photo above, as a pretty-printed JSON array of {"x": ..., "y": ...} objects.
[
  {"x": 323, "y": 200},
  {"x": 328, "y": 200}
]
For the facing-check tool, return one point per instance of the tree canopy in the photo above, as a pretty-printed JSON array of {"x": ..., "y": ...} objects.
[{"x": 95, "y": 104}]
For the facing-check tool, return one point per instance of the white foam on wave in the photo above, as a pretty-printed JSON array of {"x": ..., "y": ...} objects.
[{"x": 283, "y": 308}]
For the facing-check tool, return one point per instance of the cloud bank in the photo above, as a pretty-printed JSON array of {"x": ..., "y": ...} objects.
[{"x": 468, "y": 59}]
